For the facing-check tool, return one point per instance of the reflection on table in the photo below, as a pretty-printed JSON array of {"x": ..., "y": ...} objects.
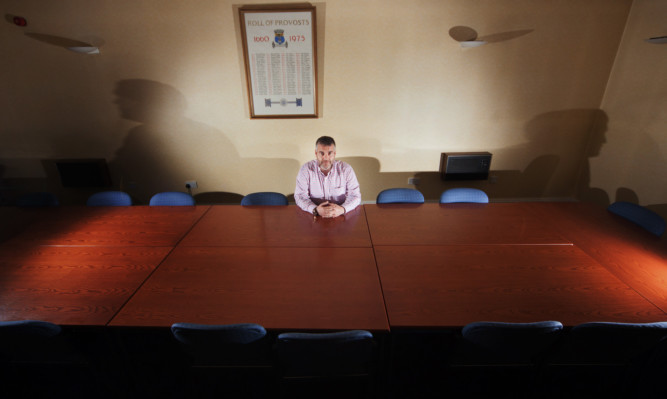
[
  {"x": 446, "y": 224},
  {"x": 279, "y": 288},
  {"x": 277, "y": 226},
  {"x": 72, "y": 285},
  {"x": 450, "y": 286},
  {"x": 109, "y": 226}
]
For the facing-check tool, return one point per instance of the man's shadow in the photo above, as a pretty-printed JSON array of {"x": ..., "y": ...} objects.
[
  {"x": 160, "y": 154},
  {"x": 166, "y": 149},
  {"x": 597, "y": 140}
]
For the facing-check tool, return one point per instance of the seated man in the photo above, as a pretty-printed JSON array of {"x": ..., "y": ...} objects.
[{"x": 324, "y": 186}]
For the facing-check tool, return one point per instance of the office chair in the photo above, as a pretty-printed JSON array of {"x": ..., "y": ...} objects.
[
  {"x": 464, "y": 195},
  {"x": 231, "y": 359},
  {"x": 37, "y": 359},
  {"x": 264, "y": 198},
  {"x": 37, "y": 200},
  {"x": 172, "y": 198},
  {"x": 400, "y": 196},
  {"x": 231, "y": 343},
  {"x": 338, "y": 364},
  {"x": 27, "y": 329},
  {"x": 109, "y": 198},
  {"x": 602, "y": 358},
  {"x": 652, "y": 374},
  {"x": 639, "y": 215},
  {"x": 499, "y": 359}
]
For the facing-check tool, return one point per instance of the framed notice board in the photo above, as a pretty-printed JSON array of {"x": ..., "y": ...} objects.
[{"x": 279, "y": 47}]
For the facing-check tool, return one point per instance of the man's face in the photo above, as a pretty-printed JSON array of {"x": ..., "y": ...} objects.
[{"x": 325, "y": 156}]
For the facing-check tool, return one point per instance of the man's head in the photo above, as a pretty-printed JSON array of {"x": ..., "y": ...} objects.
[{"x": 325, "y": 151}]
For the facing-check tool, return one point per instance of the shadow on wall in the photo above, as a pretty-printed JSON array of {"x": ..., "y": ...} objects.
[
  {"x": 166, "y": 148},
  {"x": 159, "y": 154},
  {"x": 561, "y": 142},
  {"x": 555, "y": 145},
  {"x": 598, "y": 195},
  {"x": 529, "y": 183},
  {"x": 597, "y": 140}
]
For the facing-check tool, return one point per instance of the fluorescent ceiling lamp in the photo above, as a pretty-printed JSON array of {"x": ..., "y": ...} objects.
[
  {"x": 85, "y": 50},
  {"x": 472, "y": 43}
]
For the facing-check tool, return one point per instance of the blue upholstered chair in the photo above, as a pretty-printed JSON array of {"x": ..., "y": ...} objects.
[
  {"x": 652, "y": 374},
  {"x": 230, "y": 360},
  {"x": 28, "y": 329},
  {"x": 264, "y": 198},
  {"x": 37, "y": 200},
  {"x": 400, "y": 196},
  {"x": 39, "y": 359},
  {"x": 600, "y": 359},
  {"x": 109, "y": 198},
  {"x": 172, "y": 198},
  {"x": 513, "y": 341},
  {"x": 464, "y": 195},
  {"x": 497, "y": 359},
  {"x": 339, "y": 363},
  {"x": 230, "y": 343},
  {"x": 637, "y": 214}
]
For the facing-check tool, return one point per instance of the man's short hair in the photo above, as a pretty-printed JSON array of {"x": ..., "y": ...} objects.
[{"x": 325, "y": 141}]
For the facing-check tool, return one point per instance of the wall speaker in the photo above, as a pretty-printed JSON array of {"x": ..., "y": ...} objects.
[{"x": 465, "y": 165}]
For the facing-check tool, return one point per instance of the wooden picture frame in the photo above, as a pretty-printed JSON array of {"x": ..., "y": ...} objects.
[{"x": 279, "y": 50}]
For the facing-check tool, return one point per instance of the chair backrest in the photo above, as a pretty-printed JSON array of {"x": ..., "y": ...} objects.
[
  {"x": 324, "y": 354},
  {"x": 29, "y": 328},
  {"x": 109, "y": 198},
  {"x": 400, "y": 196},
  {"x": 613, "y": 342},
  {"x": 513, "y": 341},
  {"x": 172, "y": 198},
  {"x": 464, "y": 195},
  {"x": 264, "y": 198},
  {"x": 223, "y": 344},
  {"x": 214, "y": 334},
  {"x": 602, "y": 359},
  {"x": 37, "y": 199},
  {"x": 38, "y": 359},
  {"x": 644, "y": 217},
  {"x": 26, "y": 339},
  {"x": 650, "y": 382}
]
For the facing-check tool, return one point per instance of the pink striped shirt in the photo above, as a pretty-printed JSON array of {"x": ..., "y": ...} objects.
[{"x": 340, "y": 186}]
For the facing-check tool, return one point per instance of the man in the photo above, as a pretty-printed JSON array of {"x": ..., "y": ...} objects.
[{"x": 324, "y": 186}]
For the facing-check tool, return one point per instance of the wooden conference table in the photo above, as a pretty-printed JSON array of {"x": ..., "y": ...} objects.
[
  {"x": 379, "y": 267},
  {"x": 79, "y": 265},
  {"x": 276, "y": 266},
  {"x": 446, "y": 265}
]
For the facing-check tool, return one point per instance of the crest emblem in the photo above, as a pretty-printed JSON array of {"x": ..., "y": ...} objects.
[{"x": 279, "y": 39}]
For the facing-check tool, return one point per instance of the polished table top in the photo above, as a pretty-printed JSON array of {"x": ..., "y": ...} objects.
[
  {"x": 72, "y": 285},
  {"x": 277, "y": 226},
  {"x": 628, "y": 251},
  {"x": 279, "y": 288},
  {"x": 280, "y": 266},
  {"x": 445, "y": 224},
  {"x": 450, "y": 286},
  {"x": 119, "y": 226}
]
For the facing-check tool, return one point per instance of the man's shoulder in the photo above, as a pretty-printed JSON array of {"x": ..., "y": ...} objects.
[{"x": 310, "y": 165}]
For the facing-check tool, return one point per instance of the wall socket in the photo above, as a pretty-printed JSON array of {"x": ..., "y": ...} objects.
[
  {"x": 413, "y": 180},
  {"x": 191, "y": 183}
]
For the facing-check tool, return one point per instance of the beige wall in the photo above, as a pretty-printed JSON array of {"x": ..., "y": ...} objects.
[
  {"x": 629, "y": 161},
  {"x": 166, "y": 100}
]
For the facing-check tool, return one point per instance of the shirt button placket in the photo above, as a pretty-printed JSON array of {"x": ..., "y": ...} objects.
[{"x": 326, "y": 187}]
